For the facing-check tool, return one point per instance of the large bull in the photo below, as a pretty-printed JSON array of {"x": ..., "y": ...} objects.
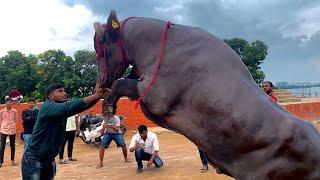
[{"x": 204, "y": 91}]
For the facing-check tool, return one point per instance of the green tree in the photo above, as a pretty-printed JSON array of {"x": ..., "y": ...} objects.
[
  {"x": 252, "y": 54},
  {"x": 54, "y": 67},
  {"x": 85, "y": 70},
  {"x": 78, "y": 74},
  {"x": 18, "y": 71},
  {"x": 32, "y": 74},
  {"x": 237, "y": 44}
]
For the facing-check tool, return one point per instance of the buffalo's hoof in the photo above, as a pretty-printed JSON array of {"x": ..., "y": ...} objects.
[{"x": 218, "y": 171}]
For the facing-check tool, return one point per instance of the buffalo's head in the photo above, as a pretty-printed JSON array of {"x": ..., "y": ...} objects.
[{"x": 110, "y": 60}]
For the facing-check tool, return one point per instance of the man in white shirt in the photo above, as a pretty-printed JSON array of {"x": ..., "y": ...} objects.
[
  {"x": 146, "y": 147},
  {"x": 72, "y": 128},
  {"x": 111, "y": 132}
]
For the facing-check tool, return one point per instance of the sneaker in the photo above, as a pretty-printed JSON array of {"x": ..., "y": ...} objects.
[
  {"x": 62, "y": 161},
  {"x": 72, "y": 159},
  {"x": 139, "y": 170},
  {"x": 204, "y": 168}
]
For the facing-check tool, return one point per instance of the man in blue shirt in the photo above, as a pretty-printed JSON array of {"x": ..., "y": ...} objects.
[{"x": 48, "y": 133}]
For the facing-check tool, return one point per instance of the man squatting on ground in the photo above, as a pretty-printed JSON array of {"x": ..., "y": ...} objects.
[{"x": 146, "y": 147}]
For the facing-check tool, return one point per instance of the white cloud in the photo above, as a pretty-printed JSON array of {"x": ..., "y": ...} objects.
[
  {"x": 35, "y": 26},
  {"x": 305, "y": 23},
  {"x": 173, "y": 10}
]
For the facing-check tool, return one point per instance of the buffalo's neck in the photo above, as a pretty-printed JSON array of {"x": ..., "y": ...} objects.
[{"x": 142, "y": 41}]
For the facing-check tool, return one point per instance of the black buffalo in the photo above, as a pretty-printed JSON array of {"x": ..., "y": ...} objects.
[{"x": 204, "y": 91}]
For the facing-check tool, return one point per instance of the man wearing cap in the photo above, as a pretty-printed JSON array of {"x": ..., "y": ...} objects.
[{"x": 48, "y": 133}]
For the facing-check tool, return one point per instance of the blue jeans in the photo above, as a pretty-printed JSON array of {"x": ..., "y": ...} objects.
[
  {"x": 26, "y": 140},
  {"x": 117, "y": 137},
  {"x": 141, "y": 155},
  {"x": 203, "y": 158},
  {"x": 33, "y": 168}
]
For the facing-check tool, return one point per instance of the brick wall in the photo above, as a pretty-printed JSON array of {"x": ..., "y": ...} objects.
[
  {"x": 134, "y": 117},
  {"x": 305, "y": 110}
]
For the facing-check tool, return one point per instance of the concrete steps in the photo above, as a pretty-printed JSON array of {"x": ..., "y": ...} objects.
[{"x": 285, "y": 96}]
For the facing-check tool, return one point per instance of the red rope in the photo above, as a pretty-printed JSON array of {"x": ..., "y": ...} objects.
[
  {"x": 160, "y": 58},
  {"x": 101, "y": 47},
  {"x": 120, "y": 45}
]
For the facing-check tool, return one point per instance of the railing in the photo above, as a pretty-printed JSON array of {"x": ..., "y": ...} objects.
[
  {"x": 306, "y": 94},
  {"x": 301, "y": 90},
  {"x": 294, "y": 85}
]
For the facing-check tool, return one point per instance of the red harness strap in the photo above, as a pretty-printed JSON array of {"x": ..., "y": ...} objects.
[
  {"x": 160, "y": 58},
  {"x": 101, "y": 47},
  {"x": 120, "y": 45}
]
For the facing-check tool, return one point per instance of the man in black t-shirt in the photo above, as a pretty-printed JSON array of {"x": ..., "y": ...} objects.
[{"x": 29, "y": 117}]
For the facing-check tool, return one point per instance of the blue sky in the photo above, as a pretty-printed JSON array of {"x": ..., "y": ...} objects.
[{"x": 291, "y": 29}]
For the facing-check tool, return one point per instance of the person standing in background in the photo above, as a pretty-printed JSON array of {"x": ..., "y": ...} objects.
[
  {"x": 29, "y": 117},
  {"x": 267, "y": 87},
  {"x": 8, "y": 119},
  {"x": 72, "y": 128}
]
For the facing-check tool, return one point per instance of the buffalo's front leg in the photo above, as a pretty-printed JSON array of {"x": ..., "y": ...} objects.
[{"x": 121, "y": 87}]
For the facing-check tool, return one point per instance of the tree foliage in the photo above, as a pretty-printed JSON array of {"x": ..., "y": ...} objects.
[
  {"x": 252, "y": 54},
  {"x": 18, "y": 71},
  {"x": 32, "y": 74}
]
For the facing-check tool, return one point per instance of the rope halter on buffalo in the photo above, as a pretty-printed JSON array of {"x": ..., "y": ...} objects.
[
  {"x": 101, "y": 47},
  {"x": 160, "y": 58}
]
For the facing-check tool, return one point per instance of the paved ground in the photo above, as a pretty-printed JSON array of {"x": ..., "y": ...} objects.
[{"x": 180, "y": 156}]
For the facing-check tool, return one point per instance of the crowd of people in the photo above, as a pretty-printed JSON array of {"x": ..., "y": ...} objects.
[{"x": 48, "y": 130}]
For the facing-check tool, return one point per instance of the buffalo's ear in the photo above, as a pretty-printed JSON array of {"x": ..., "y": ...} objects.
[
  {"x": 113, "y": 26},
  {"x": 99, "y": 31}
]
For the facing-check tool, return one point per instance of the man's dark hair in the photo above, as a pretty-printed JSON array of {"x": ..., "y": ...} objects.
[
  {"x": 142, "y": 128},
  {"x": 32, "y": 99},
  {"x": 53, "y": 87},
  {"x": 271, "y": 85}
]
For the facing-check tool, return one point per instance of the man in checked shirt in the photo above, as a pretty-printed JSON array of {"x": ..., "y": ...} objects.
[{"x": 8, "y": 119}]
